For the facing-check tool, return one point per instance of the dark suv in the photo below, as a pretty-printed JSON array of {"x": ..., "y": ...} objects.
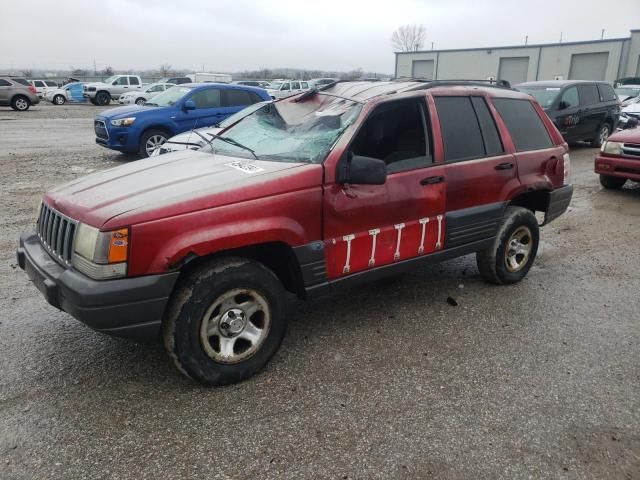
[
  {"x": 17, "y": 93},
  {"x": 582, "y": 110},
  {"x": 308, "y": 195}
]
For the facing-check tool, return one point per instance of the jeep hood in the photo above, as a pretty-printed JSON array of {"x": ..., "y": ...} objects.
[{"x": 173, "y": 184}]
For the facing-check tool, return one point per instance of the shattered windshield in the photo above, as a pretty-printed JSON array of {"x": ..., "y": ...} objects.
[{"x": 289, "y": 131}]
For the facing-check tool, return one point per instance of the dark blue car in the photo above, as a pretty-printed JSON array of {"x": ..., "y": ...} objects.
[{"x": 142, "y": 129}]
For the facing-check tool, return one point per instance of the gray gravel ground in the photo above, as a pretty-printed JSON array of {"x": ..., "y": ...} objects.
[{"x": 535, "y": 380}]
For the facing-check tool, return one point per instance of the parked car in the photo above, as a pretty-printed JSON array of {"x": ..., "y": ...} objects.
[
  {"x": 43, "y": 86},
  {"x": 17, "y": 93},
  {"x": 627, "y": 93},
  {"x": 204, "y": 77},
  {"x": 581, "y": 110},
  {"x": 252, "y": 83},
  {"x": 627, "y": 121},
  {"x": 619, "y": 159},
  {"x": 176, "y": 80},
  {"x": 101, "y": 93},
  {"x": 305, "y": 196},
  {"x": 142, "y": 129},
  {"x": 195, "y": 139},
  {"x": 71, "y": 92},
  {"x": 139, "y": 97},
  {"x": 321, "y": 82},
  {"x": 286, "y": 88}
]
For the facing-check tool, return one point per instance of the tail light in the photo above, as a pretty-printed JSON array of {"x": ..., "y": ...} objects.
[
  {"x": 566, "y": 160},
  {"x": 32, "y": 89}
]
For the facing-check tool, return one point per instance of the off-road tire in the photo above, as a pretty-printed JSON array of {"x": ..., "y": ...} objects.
[
  {"x": 601, "y": 136},
  {"x": 103, "y": 98},
  {"x": 181, "y": 328},
  {"x": 492, "y": 262},
  {"x": 20, "y": 103},
  {"x": 146, "y": 136},
  {"x": 612, "y": 183},
  {"x": 59, "y": 100}
]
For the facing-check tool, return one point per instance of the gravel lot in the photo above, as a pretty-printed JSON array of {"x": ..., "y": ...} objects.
[{"x": 535, "y": 380}]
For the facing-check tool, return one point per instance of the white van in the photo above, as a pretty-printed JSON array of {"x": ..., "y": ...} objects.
[{"x": 203, "y": 77}]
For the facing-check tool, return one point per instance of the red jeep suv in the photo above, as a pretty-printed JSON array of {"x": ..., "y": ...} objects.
[{"x": 329, "y": 188}]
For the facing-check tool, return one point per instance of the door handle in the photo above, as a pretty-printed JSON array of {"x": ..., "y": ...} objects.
[
  {"x": 504, "y": 166},
  {"x": 432, "y": 180}
]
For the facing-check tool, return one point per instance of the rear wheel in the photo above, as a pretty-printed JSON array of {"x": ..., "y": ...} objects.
[
  {"x": 150, "y": 141},
  {"x": 613, "y": 183},
  {"x": 59, "y": 100},
  {"x": 226, "y": 321},
  {"x": 20, "y": 103},
  {"x": 103, "y": 98},
  {"x": 603, "y": 133},
  {"x": 510, "y": 257}
]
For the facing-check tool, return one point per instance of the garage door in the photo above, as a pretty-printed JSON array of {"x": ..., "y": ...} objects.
[
  {"x": 422, "y": 69},
  {"x": 588, "y": 66},
  {"x": 513, "y": 69}
]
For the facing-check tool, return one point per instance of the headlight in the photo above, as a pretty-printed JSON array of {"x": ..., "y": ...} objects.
[
  {"x": 123, "y": 122},
  {"x": 101, "y": 255},
  {"x": 612, "y": 148}
]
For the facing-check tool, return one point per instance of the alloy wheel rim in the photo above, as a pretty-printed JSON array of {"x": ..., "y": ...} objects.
[
  {"x": 154, "y": 141},
  {"x": 235, "y": 325},
  {"x": 59, "y": 100},
  {"x": 518, "y": 249},
  {"x": 140, "y": 102},
  {"x": 604, "y": 133},
  {"x": 21, "y": 104}
]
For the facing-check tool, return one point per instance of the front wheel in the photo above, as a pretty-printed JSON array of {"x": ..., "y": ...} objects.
[
  {"x": 140, "y": 101},
  {"x": 613, "y": 183},
  {"x": 225, "y": 321},
  {"x": 603, "y": 133},
  {"x": 510, "y": 257},
  {"x": 103, "y": 98},
  {"x": 59, "y": 100},
  {"x": 150, "y": 141}
]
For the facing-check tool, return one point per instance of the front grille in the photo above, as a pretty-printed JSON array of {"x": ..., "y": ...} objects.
[
  {"x": 56, "y": 232},
  {"x": 101, "y": 129},
  {"x": 631, "y": 149}
]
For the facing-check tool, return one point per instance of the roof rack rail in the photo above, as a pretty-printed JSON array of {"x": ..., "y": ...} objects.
[{"x": 503, "y": 84}]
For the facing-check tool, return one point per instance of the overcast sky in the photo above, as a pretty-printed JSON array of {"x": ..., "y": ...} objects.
[{"x": 233, "y": 35}]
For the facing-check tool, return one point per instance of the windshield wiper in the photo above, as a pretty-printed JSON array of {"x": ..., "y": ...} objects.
[{"x": 231, "y": 141}]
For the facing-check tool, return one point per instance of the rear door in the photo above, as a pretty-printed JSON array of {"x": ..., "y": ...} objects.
[
  {"x": 592, "y": 111},
  {"x": 479, "y": 172}
]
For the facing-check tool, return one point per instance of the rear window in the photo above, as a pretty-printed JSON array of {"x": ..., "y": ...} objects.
[
  {"x": 21, "y": 81},
  {"x": 524, "y": 124},
  {"x": 588, "y": 94},
  {"x": 607, "y": 93},
  {"x": 460, "y": 129}
]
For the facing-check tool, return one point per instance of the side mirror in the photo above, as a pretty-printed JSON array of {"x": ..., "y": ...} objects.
[
  {"x": 563, "y": 105},
  {"x": 363, "y": 171},
  {"x": 189, "y": 105}
]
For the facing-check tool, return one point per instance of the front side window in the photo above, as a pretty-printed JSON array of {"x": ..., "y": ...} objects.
[
  {"x": 396, "y": 133},
  {"x": 209, "y": 98},
  {"x": 461, "y": 132},
  {"x": 570, "y": 98},
  {"x": 121, "y": 81},
  {"x": 284, "y": 132},
  {"x": 524, "y": 124},
  {"x": 588, "y": 94},
  {"x": 295, "y": 86},
  {"x": 285, "y": 86}
]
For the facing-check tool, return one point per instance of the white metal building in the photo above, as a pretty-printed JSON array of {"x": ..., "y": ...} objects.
[{"x": 608, "y": 60}]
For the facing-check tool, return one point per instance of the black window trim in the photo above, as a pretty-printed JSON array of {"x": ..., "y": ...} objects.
[
  {"x": 484, "y": 141},
  {"x": 426, "y": 125}
]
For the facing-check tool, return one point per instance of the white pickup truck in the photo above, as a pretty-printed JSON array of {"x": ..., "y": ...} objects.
[{"x": 101, "y": 93}]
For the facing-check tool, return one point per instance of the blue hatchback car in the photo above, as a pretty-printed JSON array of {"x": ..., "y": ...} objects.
[{"x": 142, "y": 129}]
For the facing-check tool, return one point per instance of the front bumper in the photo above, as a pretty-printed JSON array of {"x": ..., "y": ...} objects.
[
  {"x": 622, "y": 167},
  {"x": 557, "y": 201},
  {"x": 128, "y": 307}
]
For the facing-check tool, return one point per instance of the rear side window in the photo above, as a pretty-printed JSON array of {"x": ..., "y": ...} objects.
[
  {"x": 21, "y": 81},
  {"x": 524, "y": 124},
  {"x": 134, "y": 81},
  {"x": 588, "y": 94},
  {"x": 51, "y": 83},
  {"x": 4, "y": 83},
  {"x": 607, "y": 93},
  {"x": 236, "y": 98},
  {"x": 464, "y": 132}
]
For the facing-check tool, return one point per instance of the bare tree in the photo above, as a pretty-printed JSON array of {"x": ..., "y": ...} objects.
[
  {"x": 108, "y": 71},
  {"x": 165, "y": 70},
  {"x": 27, "y": 73},
  {"x": 408, "y": 38}
]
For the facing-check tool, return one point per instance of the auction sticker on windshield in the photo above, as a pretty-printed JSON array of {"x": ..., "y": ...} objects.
[{"x": 245, "y": 167}]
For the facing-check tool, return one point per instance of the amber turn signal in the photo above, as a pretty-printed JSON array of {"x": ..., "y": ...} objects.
[{"x": 119, "y": 246}]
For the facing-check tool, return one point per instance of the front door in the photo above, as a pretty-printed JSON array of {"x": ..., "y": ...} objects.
[
  {"x": 368, "y": 226},
  {"x": 208, "y": 110},
  {"x": 569, "y": 120}
]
